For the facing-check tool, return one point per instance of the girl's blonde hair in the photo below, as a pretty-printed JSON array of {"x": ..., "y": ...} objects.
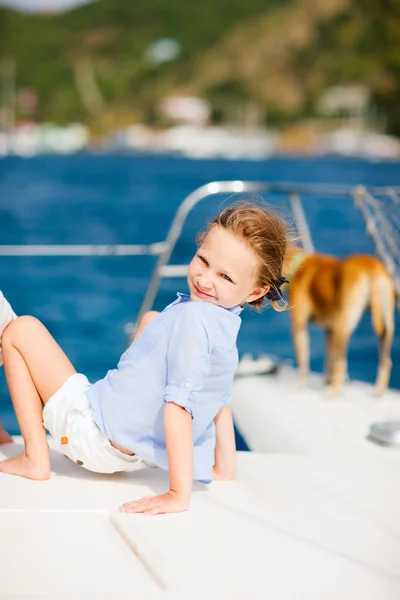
[{"x": 265, "y": 233}]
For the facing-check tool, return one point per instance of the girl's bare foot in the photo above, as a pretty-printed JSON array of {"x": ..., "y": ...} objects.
[
  {"x": 24, "y": 466},
  {"x": 5, "y": 438}
]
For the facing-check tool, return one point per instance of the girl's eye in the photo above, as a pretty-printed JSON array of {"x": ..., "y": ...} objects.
[
  {"x": 203, "y": 260},
  {"x": 226, "y": 277}
]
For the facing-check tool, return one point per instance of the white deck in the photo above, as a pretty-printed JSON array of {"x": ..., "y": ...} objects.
[
  {"x": 274, "y": 415},
  {"x": 289, "y": 528}
]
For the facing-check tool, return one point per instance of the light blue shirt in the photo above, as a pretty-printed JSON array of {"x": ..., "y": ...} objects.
[{"x": 186, "y": 355}]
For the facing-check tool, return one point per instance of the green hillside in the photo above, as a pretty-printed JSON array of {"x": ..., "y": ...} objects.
[{"x": 90, "y": 64}]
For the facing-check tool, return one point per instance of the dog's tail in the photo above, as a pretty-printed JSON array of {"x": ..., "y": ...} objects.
[{"x": 383, "y": 298}]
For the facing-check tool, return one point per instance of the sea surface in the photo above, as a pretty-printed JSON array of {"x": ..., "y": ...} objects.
[{"x": 117, "y": 199}]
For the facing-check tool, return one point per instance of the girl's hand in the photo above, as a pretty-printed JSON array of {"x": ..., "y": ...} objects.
[{"x": 170, "y": 502}]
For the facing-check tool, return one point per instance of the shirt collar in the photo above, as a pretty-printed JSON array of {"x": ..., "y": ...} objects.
[{"x": 236, "y": 310}]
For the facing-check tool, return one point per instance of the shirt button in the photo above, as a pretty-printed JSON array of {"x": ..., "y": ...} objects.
[
  {"x": 79, "y": 462},
  {"x": 187, "y": 385}
]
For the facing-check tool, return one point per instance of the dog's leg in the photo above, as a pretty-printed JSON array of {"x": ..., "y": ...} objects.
[
  {"x": 340, "y": 340},
  {"x": 328, "y": 356},
  {"x": 385, "y": 362},
  {"x": 382, "y": 311},
  {"x": 301, "y": 345},
  {"x": 353, "y": 299}
]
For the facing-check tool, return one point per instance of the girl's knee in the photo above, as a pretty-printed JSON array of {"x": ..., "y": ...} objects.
[
  {"x": 149, "y": 317},
  {"x": 144, "y": 322},
  {"x": 21, "y": 326}
]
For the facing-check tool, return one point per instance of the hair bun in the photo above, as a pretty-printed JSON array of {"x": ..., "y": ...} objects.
[{"x": 275, "y": 293}]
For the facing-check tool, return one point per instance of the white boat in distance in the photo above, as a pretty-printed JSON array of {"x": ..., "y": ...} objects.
[{"x": 314, "y": 512}]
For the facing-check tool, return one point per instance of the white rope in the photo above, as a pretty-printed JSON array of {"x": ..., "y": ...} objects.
[{"x": 381, "y": 213}]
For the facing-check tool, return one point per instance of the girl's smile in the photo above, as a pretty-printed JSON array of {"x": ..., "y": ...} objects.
[{"x": 200, "y": 292}]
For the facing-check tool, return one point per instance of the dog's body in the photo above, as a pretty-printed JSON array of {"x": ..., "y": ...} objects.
[{"x": 334, "y": 293}]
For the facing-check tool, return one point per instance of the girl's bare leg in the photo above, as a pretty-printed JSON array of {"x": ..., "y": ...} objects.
[
  {"x": 144, "y": 321},
  {"x": 5, "y": 438},
  {"x": 6, "y": 316},
  {"x": 35, "y": 368}
]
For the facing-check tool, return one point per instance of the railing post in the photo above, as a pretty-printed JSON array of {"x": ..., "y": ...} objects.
[{"x": 301, "y": 222}]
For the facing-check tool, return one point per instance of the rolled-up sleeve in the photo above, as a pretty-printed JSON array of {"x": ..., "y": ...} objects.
[{"x": 188, "y": 360}]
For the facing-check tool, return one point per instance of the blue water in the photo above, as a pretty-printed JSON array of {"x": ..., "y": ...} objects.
[{"x": 87, "y": 199}]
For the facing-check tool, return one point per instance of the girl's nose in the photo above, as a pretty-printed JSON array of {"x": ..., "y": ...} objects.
[{"x": 205, "y": 283}]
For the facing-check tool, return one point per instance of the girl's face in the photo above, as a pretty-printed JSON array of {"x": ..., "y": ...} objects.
[{"x": 223, "y": 271}]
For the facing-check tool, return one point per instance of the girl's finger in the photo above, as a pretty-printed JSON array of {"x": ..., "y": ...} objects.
[
  {"x": 134, "y": 507},
  {"x": 128, "y": 506},
  {"x": 136, "y": 502},
  {"x": 137, "y": 509}
]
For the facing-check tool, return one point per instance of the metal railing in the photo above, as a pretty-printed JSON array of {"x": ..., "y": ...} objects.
[
  {"x": 379, "y": 206},
  {"x": 383, "y": 238},
  {"x": 83, "y": 249},
  {"x": 162, "y": 269}
]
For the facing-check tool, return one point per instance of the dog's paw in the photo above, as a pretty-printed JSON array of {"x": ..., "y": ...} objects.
[
  {"x": 300, "y": 384},
  {"x": 331, "y": 391},
  {"x": 378, "y": 391}
]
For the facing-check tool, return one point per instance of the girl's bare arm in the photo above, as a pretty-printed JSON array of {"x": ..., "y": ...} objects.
[
  {"x": 179, "y": 441},
  {"x": 225, "y": 447}
]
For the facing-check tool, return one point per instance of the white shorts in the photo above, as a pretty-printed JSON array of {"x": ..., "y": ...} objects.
[{"x": 70, "y": 421}]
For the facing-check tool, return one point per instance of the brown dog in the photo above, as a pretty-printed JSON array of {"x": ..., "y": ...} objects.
[{"x": 334, "y": 293}]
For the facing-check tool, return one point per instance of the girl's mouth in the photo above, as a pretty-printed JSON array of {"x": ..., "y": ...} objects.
[{"x": 200, "y": 293}]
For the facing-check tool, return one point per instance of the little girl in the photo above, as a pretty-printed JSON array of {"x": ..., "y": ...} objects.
[{"x": 167, "y": 402}]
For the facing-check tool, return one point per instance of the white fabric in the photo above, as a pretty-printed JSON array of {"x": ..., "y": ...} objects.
[
  {"x": 6, "y": 316},
  {"x": 68, "y": 417}
]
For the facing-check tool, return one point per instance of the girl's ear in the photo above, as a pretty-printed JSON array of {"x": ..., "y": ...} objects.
[{"x": 257, "y": 293}]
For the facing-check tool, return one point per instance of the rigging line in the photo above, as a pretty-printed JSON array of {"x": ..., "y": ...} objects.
[
  {"x": 387, "y": 204},
  {"x": 394, "y": 195},
  {"x": 388, "y": 238},
  {"x": 386, "y": 225},
  {"x": 373, "y": 232}
]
